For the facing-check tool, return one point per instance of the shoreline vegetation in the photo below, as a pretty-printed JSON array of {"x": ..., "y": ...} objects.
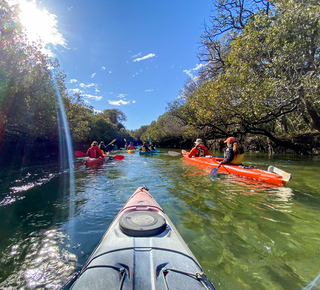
[{"x": 259, "y": 83}]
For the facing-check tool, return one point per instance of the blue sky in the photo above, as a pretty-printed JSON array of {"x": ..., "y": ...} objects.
[{"x": 134, "y": 56}]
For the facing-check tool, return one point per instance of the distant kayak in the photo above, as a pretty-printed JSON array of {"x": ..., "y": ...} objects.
[
  {"x": 273, "y": 175},
  {"x": 142, "y": 250},
  {"x": 131, "y": 151},
  {"x": 149, "y": 152}
]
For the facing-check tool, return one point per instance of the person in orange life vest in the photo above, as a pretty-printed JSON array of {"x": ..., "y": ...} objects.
[
  {"x": 131, "y": 147},
  {"x": 234, "y": 153},
  {"x": 199, "y": 150},
  {"x": 94, "y": 151}
]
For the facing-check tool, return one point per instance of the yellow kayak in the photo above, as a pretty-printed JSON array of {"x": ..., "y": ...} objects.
[{"x": 131, "y": 151}]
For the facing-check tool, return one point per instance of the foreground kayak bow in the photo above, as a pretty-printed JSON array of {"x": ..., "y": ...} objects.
[{"x": 142, "y": 250}]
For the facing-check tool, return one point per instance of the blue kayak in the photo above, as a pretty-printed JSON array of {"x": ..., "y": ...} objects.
[
  {"x": 141, "y": 250},
  {"x": 149, "y": 152}
]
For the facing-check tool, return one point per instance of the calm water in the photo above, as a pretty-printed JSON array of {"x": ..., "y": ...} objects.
[{"x": 245, "y": 234}]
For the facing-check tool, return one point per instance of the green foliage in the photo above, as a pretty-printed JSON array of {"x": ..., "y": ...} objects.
[
  {"x": 28, "y": 96},
  {"x": 265, "y": 79}
]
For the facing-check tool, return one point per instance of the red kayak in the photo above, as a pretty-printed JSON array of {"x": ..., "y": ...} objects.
[
  {"x": 141, "y": 250},
  {"x": 273, "y": 175},
  {"x": 91, "y": 161}
]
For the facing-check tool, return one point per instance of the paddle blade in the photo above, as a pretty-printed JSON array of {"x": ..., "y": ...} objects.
[
  {"x": 79, "y": 154},
  {"x": 214, "y": 172},
  {"x": 173, "y": 153},
  {"x": 114, "y": 140},
  {"x": 118, "y": 157}
]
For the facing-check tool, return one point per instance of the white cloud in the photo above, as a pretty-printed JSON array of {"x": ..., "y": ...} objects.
[
  {"x": 119, "y": 103},
  {"x": 136, "y": 55},
  {"x": 189, "y": 71},
  {"x": 82, "y": 85},
  {"x": 97, "y": 111},
  {"x": 138, "y": 72},
  {"x": 92, "y": 76},
  {"x": 75, "y": 90},
  {"x": 149, "y": 90},
  {"x": 97, "y": 98},
  {"x": 73, "y": 81},
  {"x": 121, "y": 96},
  {"x": 103, "y": 68},
  {"x": 144, "y": 57}
]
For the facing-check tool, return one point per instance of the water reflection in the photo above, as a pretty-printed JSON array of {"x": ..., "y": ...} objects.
[
  {"x": 39, "y": 259},
  {"x": 246, "y": 234}
]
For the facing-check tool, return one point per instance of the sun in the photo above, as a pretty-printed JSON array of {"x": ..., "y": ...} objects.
[{"x": 39, "y": 25}]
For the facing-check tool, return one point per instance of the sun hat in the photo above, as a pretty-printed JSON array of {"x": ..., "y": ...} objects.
[
  {"x": 198, "y": 141},
  {"x": 230, "y": 140}
]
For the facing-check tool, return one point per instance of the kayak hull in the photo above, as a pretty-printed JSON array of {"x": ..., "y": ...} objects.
[
  {"x": 142, "y": 250},
  {"x": 91, "y": 161},
  {"x": 253, "y": 173},
  {"x": 131, "y": 151}
]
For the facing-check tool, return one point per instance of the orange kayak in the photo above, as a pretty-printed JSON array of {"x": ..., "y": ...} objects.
[{"x": 280, "y": 178}]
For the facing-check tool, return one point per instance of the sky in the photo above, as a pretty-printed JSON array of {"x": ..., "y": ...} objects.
[{"x": 130, "y": 55}]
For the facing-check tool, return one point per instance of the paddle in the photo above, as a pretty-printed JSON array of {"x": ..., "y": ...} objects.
[
  {"x": 174, "y": 153},
  {"x": 214, "y": 171},
  {"x": 114, "y": 140},
  {"x": 117, "y": 157},
  {"x": 285, "y": 175}
]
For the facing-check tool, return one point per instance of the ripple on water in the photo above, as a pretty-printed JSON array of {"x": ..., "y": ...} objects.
[{"x": 48, "y": 263}]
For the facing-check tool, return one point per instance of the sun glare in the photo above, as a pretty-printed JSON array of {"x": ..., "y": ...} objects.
[{"x": 40, "y": 25}]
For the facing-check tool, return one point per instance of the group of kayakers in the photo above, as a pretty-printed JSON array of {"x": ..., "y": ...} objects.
[{"x": 233, "y": 155}]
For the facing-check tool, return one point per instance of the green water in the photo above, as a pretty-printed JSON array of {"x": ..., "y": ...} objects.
[{"x": 246, "y": 234}]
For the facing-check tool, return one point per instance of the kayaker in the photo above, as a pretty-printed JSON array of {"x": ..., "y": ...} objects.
[
  {"x": 131, "y": 147},
  {"x": 103, "y": 147},
  {"x": 94, "y": 151},
  {"x": 199, "y": 150},
  {"x": 152, "y": 148},
  {"x": 145, "y": 147},
  {"x": 234, "y": 153}
]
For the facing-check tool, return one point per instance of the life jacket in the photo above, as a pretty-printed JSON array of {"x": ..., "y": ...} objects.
[
  {"x": 237, "y": 159},
  {"x": 201, "y": 151},
  {"x": 93, "y": 152}
]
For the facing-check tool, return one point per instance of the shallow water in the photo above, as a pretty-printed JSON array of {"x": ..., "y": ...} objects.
[{"x": 246, "y": 234}]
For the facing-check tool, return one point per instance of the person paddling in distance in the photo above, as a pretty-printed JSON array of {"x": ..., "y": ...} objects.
[
  {"x": 131, "y": 147},
  {"x": 103, "y": 147},
  {"x": 234, "y": 153},
  {"x": 94, "y": 151},
  {"x": 199, "y": 150},
  {"x": 145, "y": 147}
]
